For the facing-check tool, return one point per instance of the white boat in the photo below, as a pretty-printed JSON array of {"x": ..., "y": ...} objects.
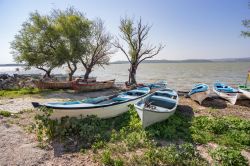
[
  {"x": 226, "y": 92},
  {"x": 244, "y": 92},
  {"x": 157, "y": 107},
  {"x": 199, "y": 92},
  {"x": 102, "y": 107}
]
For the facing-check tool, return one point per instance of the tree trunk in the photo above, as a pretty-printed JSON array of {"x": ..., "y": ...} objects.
[
  {"x": 71, "y": 71},
  {"x": 47, "y": 74},
  {"x": 132, "y": 74},
  {"x": 87, "y": 72}
]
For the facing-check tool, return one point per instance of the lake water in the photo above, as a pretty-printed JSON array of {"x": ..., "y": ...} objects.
[{"x": 180, "y": 76}]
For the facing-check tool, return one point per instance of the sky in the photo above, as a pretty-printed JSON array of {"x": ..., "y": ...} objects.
[{"x": 189, "y": 29}]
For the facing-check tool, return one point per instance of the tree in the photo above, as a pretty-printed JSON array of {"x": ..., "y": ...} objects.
[
  {"x": 99, "y": 48},
  {"x": 38, "y": 44},
  {"x": 135, "y": 35},
  {"x": 246, "y": 23},
  {"x": 75, "y": 30}
]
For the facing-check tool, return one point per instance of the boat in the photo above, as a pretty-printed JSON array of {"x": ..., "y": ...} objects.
[
  {"x": 226, "y": 92},
  {"x": 157, "y": 107},
  {"x": 158, "y": 85},
  {"x": 199, "y": 92},
  {"x": 79, "y": 85},
  {"x": 244, "y": 92},
  {"x": 102, "y": 107},
  {"x": 244, "y": 89},
  {"x": 53, "y": 84}
]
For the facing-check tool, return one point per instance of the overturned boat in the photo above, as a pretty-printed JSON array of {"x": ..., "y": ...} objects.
[
  {"x": 199, "y": 92},
  {"x": 226, "y": 92},
  {"x": 157, "y": 107},
  {"x": 102, "y": 107},
  {"x": 244, "y": 92}
]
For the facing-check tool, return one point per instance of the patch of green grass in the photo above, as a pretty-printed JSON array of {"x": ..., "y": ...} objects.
[
  {"x": 5, "y": 113},
  {"x": 230, "y": 131},
  {"x": 228, "y": 156},
  {"x": 19, "y": 92},
  {"x": 112, "y": 139},
  {"x": 106, "y": 159},
  {"x": 184, "y": 154},
  {"x": 24, "y": 91}
]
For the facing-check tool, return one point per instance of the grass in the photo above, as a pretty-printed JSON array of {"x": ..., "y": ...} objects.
[
  {"x": 229, "y": 131},
  {"x": 5, "y": 113},
  {"x": 13, "y": 93},
  {"x": 123, "y": 141}
]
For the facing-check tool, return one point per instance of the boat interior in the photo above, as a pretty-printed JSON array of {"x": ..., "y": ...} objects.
[
  {"x": 105, "y": 100},
  {"x": 166, "y": 98},
  {"x": 224, "y": 88}
]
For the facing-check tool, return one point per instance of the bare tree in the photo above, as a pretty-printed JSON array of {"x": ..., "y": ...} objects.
[
  {"x": 99, "y": 48},
  {"x": 135, "y": 36}
]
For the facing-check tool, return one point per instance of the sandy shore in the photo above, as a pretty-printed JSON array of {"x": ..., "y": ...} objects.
[{"x": 19, "y": 148}]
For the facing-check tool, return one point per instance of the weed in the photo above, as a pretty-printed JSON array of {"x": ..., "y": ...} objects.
[
  {"x": 228, "y": 156},
  {"x": 5, "y": 113}
]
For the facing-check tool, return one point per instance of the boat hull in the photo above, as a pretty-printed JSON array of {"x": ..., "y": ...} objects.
[
  {"x": 244, "y": 94},
  {"x": 200, "y": 96},
  {"x": 231, "y": 97},
  {"x": 101, "y": 112},
  {"x": 150, "y": 117},
  {"x": 92, "y": 86}
]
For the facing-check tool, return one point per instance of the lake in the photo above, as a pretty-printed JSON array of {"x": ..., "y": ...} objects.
[{"x": 180, "y": 76}]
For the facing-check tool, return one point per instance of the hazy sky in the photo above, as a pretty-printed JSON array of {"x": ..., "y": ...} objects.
[{"x": 190, "y": 29}]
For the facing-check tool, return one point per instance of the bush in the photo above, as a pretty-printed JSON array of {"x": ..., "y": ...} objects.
[
  {"x": 228, "y": 156},
  {"x": 229, "y": 131},
  {"x": 5, "y": 113}
]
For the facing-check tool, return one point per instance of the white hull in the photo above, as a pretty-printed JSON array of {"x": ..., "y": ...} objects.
[
  {"x": 231, "y": 97},
  {"x": 200, "y": 96},
  {"x": 244, "y": 94},
  {"x": 150, "y": 117},
  {"x": 101, "y": 112}
]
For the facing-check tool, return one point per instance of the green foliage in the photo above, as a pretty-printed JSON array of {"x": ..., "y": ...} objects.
[
  {"x": 183, "y": 154},
  {"x": 246, "y": 24},
  {"x": 230, "y": 131},
  {"x": 174, "y": 128},
  {"x": 5, "y": 113},
  {"x": 109, "y": 161},
  {"x": 49, "y": 41},
  {"x": 19, "y": 92},
  {"x": 228, "y": 156},
  {"x": 38, "y": 44},
  {"x": 124, "y": 134}
]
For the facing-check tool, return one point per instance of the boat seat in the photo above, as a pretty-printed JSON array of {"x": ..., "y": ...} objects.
[{"x": 162, "y": 102}]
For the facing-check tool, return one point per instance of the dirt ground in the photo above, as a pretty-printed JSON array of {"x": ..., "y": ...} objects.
[{"x": 17, "y": 147}]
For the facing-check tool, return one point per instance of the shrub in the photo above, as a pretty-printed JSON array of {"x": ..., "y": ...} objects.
[
  {"x": 5, "y": 113},
  {"x": 228, "y": 156}
]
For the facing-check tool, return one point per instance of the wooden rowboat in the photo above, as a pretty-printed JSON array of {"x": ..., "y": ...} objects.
[
  {"x": 102, "y": 107},
  {"x": 157, "y": 107},
  {"x": 82, "y": 86},
  {"x": 53, "y": 85}
]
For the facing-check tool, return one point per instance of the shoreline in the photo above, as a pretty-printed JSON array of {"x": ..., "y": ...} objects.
[{"x": 15, "y": 140}]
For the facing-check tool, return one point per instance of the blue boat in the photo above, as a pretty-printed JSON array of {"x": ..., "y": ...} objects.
[
  {"x": 102, "y": 107},
  {"x": 226, "y": 92},
  {"x": 157, "y": 107},
  {"x": 199, "y": 92}
]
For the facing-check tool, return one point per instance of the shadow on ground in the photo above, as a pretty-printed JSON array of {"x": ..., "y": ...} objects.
[
  {"x": 214, "y": 102},
  {"x": 243, "y": 102}
]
